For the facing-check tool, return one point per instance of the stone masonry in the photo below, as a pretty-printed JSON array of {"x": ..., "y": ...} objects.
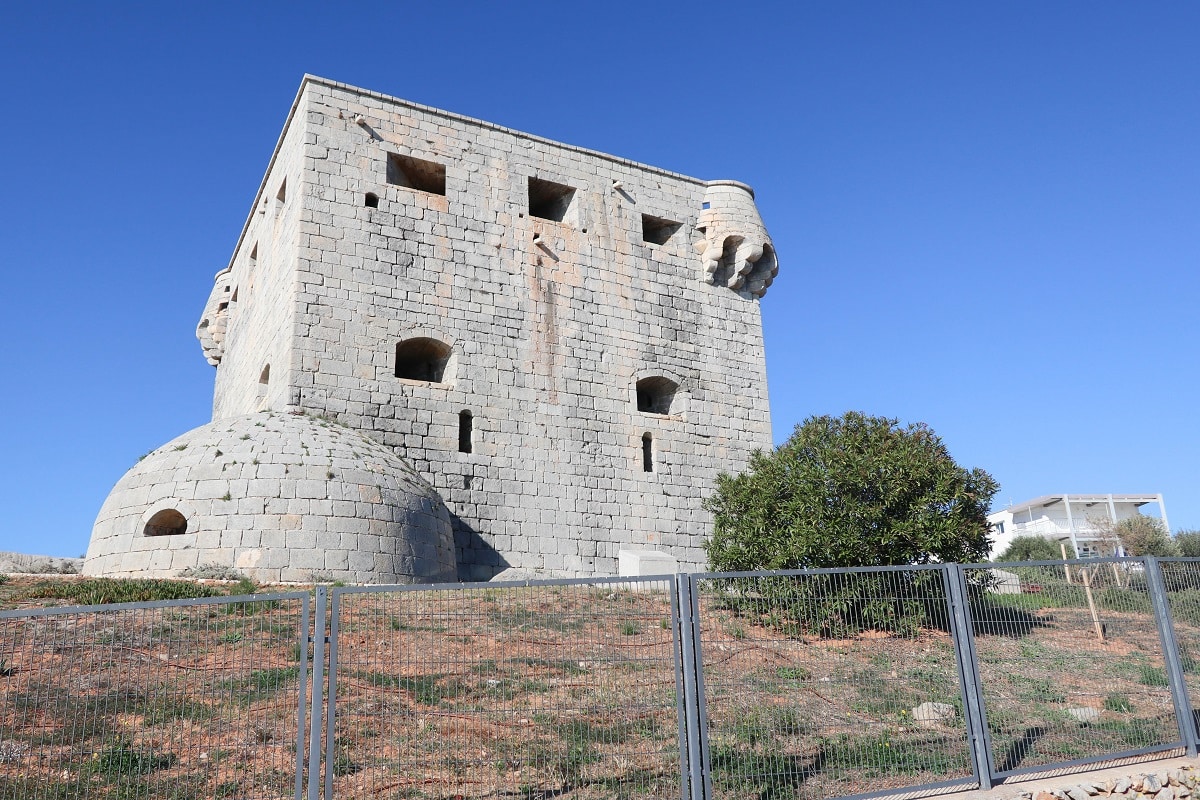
[
  {"x": 278, "y": 497},
  {"x": 566, "y": 345}
]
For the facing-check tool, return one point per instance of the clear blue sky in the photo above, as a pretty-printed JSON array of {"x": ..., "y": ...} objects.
[{"x": 987, "y": 214}]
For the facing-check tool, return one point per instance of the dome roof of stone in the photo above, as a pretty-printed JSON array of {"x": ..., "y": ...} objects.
[{"x": 280, "y": 497}]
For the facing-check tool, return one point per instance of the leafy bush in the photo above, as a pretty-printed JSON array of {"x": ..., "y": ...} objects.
[
  {"x": 1188, "y": 543},
  {"x": 1145, "y": 536},
  {"x": 848, "y": 491},
  {"x": 1033, "y": 548},
  {"x": 120, "y": 760}
]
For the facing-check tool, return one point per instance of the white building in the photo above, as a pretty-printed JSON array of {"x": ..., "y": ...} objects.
[{"x": 1077, "y": 519}]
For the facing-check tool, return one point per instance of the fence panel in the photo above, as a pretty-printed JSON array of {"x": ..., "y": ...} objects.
[
  {"x": 523, "y": 690},
  {"x": 178, "y": 700},
  {"x": 1070, "y": 663},
  {"x": 1181, "y": 581},
  {"x": 830, "y": 684}
]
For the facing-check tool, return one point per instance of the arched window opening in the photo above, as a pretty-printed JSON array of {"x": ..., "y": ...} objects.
[
  {"x": 656, "y": 395},
  {"x": 167, "y": 522},
  {"x": 466, "y": 432},
  {"x": 422, "y": 359},
  {"x": 372, "y": 200},
  {"x": 647, "y": 453}
]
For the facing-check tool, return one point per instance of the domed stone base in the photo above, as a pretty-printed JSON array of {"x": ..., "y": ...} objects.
[{"x": 279, "y": 497}]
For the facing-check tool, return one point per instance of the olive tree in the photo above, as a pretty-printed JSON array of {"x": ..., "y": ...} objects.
[
  {"x": 1188, "y": 542},
  {"x": 1145, "y": 536}
]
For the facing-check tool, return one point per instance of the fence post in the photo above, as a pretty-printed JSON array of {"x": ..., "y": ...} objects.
[
  {"x": 697, "y": 785},
  {"x": 1170, "y": 646},
  {"x": 318, "y": 691},
  {"x": 963, "y": 635},
  {"x": 302, "y": 640}
]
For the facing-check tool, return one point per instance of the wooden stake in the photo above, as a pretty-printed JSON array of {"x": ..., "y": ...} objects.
[{"x": 1087, "y": 590}]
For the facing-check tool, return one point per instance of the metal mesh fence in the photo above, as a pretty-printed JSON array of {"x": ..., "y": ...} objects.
[
  {"x": 536, "y": 690},
  {"x": 1070, "y": 662},
  {"x": 807, "y": 685},
  {"x": 1181, "y": 580},
  {"x": 830, "y": 684},
  {"x": 178, "y": 700}
]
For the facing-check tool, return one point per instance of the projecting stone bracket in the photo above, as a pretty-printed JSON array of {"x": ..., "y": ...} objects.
[{"x": 735, "y": 249}]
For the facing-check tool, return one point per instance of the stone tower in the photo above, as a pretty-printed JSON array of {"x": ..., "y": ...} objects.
[{"x": 565, "y": 345}]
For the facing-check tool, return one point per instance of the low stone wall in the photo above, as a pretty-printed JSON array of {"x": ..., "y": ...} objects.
[
  {"x": 1164, "y": 784},
  {"x": 25, "y": 563}
]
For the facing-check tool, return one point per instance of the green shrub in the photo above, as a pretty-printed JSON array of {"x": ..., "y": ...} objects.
[
  {"x": 1118, "y": 702},
  {"x": 1152, "y": 676},
  {"x": 1145, "y": 536},
  {"x": 120, "y": 760},
  {"x": 850, "y": 491},
  {"x": 1188, "y": 543},
  {"x": 1033, "y": 548},
  {"x": 100, "y": 591}
]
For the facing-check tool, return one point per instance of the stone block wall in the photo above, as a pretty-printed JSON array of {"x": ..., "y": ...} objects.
[
  {"x": 565, "y": 284},
  {"x": 260, "y": 286}
]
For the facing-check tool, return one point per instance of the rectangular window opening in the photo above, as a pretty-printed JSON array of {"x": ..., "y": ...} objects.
[
  {"x": 416, "y": 173},
  {"x": 647, "y": 453},
  {"x": 657, "y": 230},
  {"x": 549, "y": 200}
]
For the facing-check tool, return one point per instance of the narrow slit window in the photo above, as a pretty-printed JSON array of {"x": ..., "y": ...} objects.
[
  {"x": 372, "y": 200},
  {"x": 647, "y": 453},
  {"x": 549, "y": 200},
  {"x": 466, "y": 432},
  {"x": 657, "y": 230},
  {"x": 416, "y": 173},
  {"x": 264, "y": 377},
  {"x": 252, "y": 268},
  {"x": 281, "y": 195}
]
